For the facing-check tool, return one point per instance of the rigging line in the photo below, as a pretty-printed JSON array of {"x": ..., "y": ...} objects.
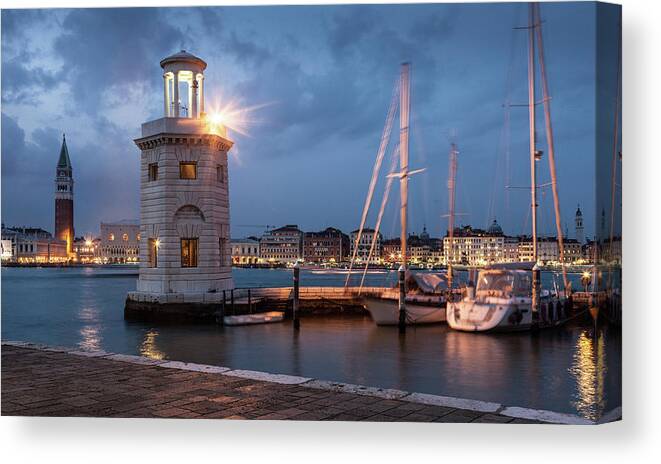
[
  {"x": 394, "y": 156},
  {"x": 616, "y": 130},
  {"x": 385, "y": 138},
  {"x": 551, "y": 147}
]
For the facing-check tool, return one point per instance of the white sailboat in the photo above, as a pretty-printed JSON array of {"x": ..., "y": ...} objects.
[
  {"x": 424, "y": 303},
  {"x": 508, "y": 297}
]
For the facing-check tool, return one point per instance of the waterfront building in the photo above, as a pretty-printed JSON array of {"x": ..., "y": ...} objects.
[
  {"x": 420, "y": 249},
  {"x": 328, "y": 246},
  {"x": 475, "y": 247},
  {"x": 548, "y": 251},
  {"x": 120, "y": 241},
  {"x": 578, "y": 223},
  {"x": 32, "y": 245},
  {"x": 511, "y": 250},
  {"x": 184, "y": 196},
  {"x": 87, "y": 250},
  {"x": 7, "y": 252},
  {"x": 245, "y": 250},
  {"x": 282, "y": 245},
  {"x": 363, "y": 248},
  {"x": 64, "y": 229}
]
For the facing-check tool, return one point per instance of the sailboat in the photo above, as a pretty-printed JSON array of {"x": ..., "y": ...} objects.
[
  {"x": 424, "y": 302},
  {"x": 509, "y": 297}
]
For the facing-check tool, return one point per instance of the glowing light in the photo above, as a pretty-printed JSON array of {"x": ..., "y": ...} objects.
[
  {"x": 157, "y": 243},
  {"x": 231, "y": 115}
]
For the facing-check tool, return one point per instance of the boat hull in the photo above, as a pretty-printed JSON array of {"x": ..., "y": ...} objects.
[
  {"x": 385, "y": 311},
  {"x": 502, "y": 315},
  {"x": 258, "y": 318}
]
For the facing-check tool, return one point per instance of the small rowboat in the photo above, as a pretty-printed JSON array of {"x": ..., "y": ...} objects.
[{"x": 258, "y": 318}]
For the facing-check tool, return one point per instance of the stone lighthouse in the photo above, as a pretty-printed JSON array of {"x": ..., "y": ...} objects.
[{"x": 185, "y": 258}]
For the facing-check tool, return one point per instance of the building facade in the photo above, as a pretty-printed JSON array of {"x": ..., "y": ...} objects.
[
  {"x": 120, "y": 241},
  {"x": 87, "y": 250},
  {"x": 184, "y": 194},
  {"x": 245, "y": 251},
  {"x": 27, "y": 245},
  {"x": 282, "y": 245},
  {"x": 328, "y": 246},
  {"x": 362, "y": 248},
  {"x": 64, "y": 229},
  {"x": 475, "y": 247}
]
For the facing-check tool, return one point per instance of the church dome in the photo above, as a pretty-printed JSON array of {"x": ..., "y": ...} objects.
[{"x": 495, "y": 229}]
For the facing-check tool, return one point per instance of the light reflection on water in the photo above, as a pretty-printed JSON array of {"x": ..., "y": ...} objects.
[
  {"x": 563, "y": 370},
  {"x": 589, "y": 369}
]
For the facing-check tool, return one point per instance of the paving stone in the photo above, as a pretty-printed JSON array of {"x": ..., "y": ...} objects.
[{"x": 60, "y": 383}]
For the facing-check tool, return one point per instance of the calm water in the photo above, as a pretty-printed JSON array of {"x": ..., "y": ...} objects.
[{"x": 569, "y": 370}]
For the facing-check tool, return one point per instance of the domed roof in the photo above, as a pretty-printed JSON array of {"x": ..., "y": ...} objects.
[
  {"x": 495, "y": 229},
  {"x": 183, "y": 56}
]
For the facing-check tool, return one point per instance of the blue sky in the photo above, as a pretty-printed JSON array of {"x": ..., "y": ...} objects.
[{"x": 326, "y": 76}]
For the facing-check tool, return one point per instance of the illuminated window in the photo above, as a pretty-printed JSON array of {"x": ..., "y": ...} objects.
[
  {"x": 125, "y": 237},
  {"x": 189, "y": 252},
  {"x": 153, "y": 252},
  {"x": 188, "y": 170},
  {"x": 137, "y": 237},
  {"x": 153, "y": 172},
  {"x": 111, "y": 237}
]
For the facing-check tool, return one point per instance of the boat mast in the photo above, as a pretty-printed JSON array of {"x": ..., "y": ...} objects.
[
  {"x": 531, "y": 115},
  {"x": 452, "y": 182},
  {"x": 404, "y": 105},
  {"x": 549, "y": 140}
]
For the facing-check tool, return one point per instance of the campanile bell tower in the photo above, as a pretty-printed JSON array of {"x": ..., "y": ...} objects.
[
  {"x": 185, "y": 255},
  {"x": 64, "y": 197}
]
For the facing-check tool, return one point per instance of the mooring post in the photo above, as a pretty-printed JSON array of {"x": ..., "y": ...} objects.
[
  {"x": 297, "y": 323},
  {"x": 402, "y": 299},
  {"x": 536, "y": 290},
  {"x": 232, "y": 302},
  {"x": 222, "y": 309}
]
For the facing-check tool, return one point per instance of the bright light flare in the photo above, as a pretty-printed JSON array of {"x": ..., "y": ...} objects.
[{"x": 234, "y": 117}]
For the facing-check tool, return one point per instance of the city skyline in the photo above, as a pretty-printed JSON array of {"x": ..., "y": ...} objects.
[{"x": 314, "y": 130}]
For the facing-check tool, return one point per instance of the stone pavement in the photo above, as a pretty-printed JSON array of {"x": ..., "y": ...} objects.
[{"x": 43, "y": 382}]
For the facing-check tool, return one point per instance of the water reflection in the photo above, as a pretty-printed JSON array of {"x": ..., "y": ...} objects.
[
  {"x": 148, "y": 347},
  {"x": 563, "y": 370},
  {"x": 589, "y": 369}
]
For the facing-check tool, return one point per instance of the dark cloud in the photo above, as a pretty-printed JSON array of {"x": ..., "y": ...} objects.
[{"x": 326, "y": 74}]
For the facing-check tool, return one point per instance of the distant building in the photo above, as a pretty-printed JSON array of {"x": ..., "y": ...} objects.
[
  {"x": 511, "y": 250},
  {"x": 475, "y": 247},
  {"x": 421, "y": 249},
  {"x": 32, "y": 245},
  {"x": 578, "y": 222},
  {"x": 120, "y": 241},
  {"x": 245, "y": 250},
  {"x": 363, "y": 247},
  {"x": 87, "y": 250},
  {"x": 548, "y": 251},
  {"x": 64, "y": 229},
  {"x": 282, "y": 245},
  {"x": 328, "y": 246}
]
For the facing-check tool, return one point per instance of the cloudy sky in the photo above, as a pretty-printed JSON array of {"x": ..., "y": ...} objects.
[{"x": 322, "y": 79}]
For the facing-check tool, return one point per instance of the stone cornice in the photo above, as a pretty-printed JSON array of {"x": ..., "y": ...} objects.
[{"x": 212, "y": 140}]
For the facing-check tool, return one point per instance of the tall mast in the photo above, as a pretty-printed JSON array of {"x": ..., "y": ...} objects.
[
  {"x": 551, "y": 146},
  {"x": 531, "y": 113},
  {"x": 404, "y": 105},
  {"x": 452, "y": 182}
]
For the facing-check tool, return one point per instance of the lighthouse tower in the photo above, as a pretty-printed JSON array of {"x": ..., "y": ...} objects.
[
  {"x": 64, "y": 197},
  {"x": 184, "y": 199},
  {"x": 578, "y": 220}
]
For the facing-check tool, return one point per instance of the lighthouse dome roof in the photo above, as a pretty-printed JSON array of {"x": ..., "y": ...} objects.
[{"x": 184, "y": 57}]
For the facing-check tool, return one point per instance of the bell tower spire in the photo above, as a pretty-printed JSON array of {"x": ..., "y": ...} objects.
[{"x": 64, "y": 229}]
